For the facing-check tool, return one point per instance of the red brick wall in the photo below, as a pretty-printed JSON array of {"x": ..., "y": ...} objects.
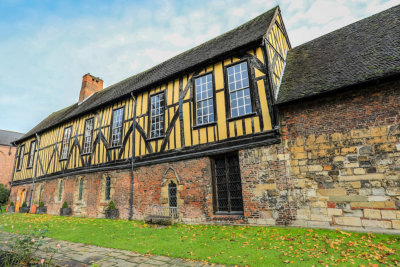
[
  {"x": 370, "y": 106},
  {"x": 6, "y": 164}
]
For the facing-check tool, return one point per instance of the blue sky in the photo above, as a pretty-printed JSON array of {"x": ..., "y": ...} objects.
[{"x": 47, "y": 46}]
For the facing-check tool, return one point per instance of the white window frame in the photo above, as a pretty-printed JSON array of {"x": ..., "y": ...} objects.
[
  {"x": 21, "y": 157},
  {"x": 201, "y": 96},
  {"x": 65, "y": 143},
  {"x": 157, "y": 111},
  {"x": 87, "y": 138},
  {"x": 117, "y": 124},
  {"x": 31, "y": 154},
  {"x": 233, "y": 81}
]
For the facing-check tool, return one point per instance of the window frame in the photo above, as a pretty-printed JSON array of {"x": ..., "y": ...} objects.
[
  {"x": 62, "y": 143},
  {"x": 84, "y": 137},
  {"x": 111, "y": 127},
  {"x": 20, "y": 161},
  {"x": 228, "y": 93},
  {"x": 30, "y": 156},
  {"x": 150, "y": 118},
  {"x": 60, "y": 190},
  {"x": 215, "y": 189},
  {"x": 195, "y": 125},
  {"x": 107, "y": 193},
  {"x": 80, "y": 189}
]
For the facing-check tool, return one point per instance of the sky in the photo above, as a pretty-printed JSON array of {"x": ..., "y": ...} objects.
[{"x": 46, "y": 46}]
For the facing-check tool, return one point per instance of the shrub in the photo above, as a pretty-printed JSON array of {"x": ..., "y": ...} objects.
[
  {"x": 12, "y": 204},
  {"x": 111, "y": 206},
  {"x": 41, "y": 204},
  {"x": 65, "y": 205},
  {"x": 22, "y": 250},
  {"x": 4, "y": 194},
  {"x": 24, "y": 205}
]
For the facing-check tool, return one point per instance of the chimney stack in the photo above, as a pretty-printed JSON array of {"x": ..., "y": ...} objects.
[{"x": 90, "y": 85}]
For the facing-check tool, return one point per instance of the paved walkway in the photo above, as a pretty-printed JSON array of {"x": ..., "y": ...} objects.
[{"x": 76, "y": 255}]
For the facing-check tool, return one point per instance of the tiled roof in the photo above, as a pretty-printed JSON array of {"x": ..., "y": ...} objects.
[
  {"x": 6, "y": 137},
  {"x": 247, "y": 34}
]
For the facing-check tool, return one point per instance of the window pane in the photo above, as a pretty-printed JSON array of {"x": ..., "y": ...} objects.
[
  {"x": 228, "y": 184},
  {"x": 239, "y": 90},
  {"x": 118, "y": 116},
  {"x": 157, "y": 115},
  {"x": 65, "y": 143},
  {"x": 204, "y": 99}
]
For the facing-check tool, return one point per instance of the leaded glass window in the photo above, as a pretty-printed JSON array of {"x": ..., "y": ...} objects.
[
  {"x": 172, "y": 194},
  {"x": 239, "y": 90},
  {"x": 65, "y": 142},
  {"x": 80, "y": 189},
  {"x": 204, "y": 99},
  {"x": 228, "y": 185},
  {"x": 60, "y": 190},
  {"x": 21, "y": 157},
  {"x": 87, "y": 140},
  {"x": 107, "y": 188},
  {"x": 157, "y": 115},
  {"x": 118, "y": 117},
  {"x": 40, "y": 192}
]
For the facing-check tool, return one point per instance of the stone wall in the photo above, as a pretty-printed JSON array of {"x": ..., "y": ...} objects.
[{"x": 343, "y": 157}]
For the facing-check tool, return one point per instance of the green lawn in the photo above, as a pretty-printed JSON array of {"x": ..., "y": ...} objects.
[{"x": 241, "y": 245}]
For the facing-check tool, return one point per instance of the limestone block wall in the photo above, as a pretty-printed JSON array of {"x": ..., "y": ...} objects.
[{"x": 343, "y": 158}]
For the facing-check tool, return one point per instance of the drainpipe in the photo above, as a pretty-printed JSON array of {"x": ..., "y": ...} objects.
[
  {"x": 133, "y": 157},
  {"x": 35, "y": 173}
]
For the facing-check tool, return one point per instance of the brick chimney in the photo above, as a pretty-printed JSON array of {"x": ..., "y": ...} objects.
[{"x": 90, "y": 85}]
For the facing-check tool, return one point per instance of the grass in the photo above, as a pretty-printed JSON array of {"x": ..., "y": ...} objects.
[{"x": 240, "y": 245}]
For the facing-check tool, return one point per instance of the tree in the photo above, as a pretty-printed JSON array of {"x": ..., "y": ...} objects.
[{"x": 4, "y": 194}]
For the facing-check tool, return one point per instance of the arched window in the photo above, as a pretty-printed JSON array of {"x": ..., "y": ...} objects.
[
  {"x": 172, "y": 194},
  {"x": 80, "y": 189},
  {"x": 40, "y": 192},
  {"x": 60, "y": 190},
  {"x": 108, "y": 188}
]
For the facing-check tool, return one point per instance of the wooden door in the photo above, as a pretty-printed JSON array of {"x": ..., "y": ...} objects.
[{"x": 21, "y": 194}]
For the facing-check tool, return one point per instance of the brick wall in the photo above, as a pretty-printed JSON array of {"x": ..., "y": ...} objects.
[
  {"x": 6, "y": 164},
  {"x": 193, "y": 179}
]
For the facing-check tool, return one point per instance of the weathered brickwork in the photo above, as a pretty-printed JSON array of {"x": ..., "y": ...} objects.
[
  {"x": 7, "y": 155},
  {"x": 344, "y": 158}
]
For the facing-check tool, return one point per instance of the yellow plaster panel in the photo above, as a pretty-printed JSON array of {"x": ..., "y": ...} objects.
[
  {"x": 264, "y": 105},
  {"x": 222, "y": 129}
]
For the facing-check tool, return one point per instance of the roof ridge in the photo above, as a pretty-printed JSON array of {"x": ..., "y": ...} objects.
[
  {"x": 10, "y": 131},
  {"x": 344, "y": 27}
]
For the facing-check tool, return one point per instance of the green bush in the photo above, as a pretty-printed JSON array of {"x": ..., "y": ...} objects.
[
  {"x": 4, "y": 194},
  {"x": 41, "y": 204},
  {"x": 65, "y": 205},
  {"x": 111, "y": 206},
  {"x": 24, "y": 205},
  {"x": 12, "y": 204}
]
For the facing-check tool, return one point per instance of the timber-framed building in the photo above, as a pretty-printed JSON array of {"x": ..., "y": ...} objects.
[{"x": 240, "y": 129}]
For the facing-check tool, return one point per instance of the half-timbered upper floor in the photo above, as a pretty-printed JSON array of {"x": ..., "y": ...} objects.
[{"x": 213, "y": 97}]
